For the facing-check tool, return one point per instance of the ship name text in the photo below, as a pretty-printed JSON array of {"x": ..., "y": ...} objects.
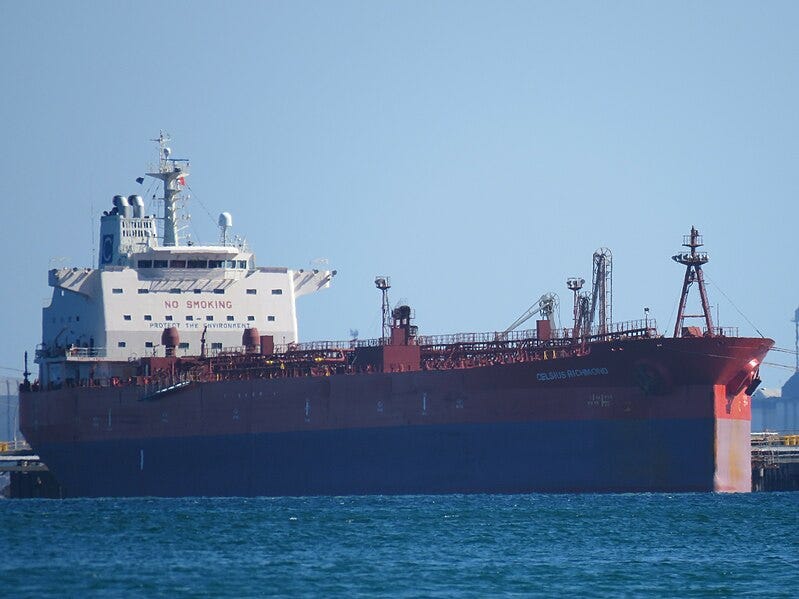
[{"x": 554, "y": 375}]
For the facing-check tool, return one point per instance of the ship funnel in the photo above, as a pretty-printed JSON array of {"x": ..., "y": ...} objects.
[
  {"x": 137, "y": 203},
  {"x": 123, "y": 206},
  {"x": 402, "y": 331}
]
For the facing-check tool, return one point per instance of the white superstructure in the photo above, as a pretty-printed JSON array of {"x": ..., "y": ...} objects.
[{"x": 144, "y": 284}]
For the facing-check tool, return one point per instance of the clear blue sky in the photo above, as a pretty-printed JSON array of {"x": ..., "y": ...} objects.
[{"x": 476, "y": 152}]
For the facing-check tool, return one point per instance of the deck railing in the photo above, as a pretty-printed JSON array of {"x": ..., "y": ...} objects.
[
  {"x": 14, "y": 446},
  {"x": 71, "y": 352},
  {"x": 631, "y": 328}
]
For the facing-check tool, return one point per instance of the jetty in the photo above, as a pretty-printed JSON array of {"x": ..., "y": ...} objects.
[
  {"x": 28, "y": 476},
  {"x": 775, "y": 462}
]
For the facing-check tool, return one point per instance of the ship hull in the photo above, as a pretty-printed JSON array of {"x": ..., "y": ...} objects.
[
  {"x": 645, "y": 415},
  {"x": 468, "y": 458}
]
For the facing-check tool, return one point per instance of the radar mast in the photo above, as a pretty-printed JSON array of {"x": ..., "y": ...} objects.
[
  {"x": 172, "y": 171},
  {"x": 693, "y": 261}
]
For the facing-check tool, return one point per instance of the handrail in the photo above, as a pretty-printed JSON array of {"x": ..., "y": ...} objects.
[
  {"x": 71, "y": 352},
  {"x": 14, "y": 446},
  {"x": 722, "y": 331},
  {"x": 642, "y": 327}
]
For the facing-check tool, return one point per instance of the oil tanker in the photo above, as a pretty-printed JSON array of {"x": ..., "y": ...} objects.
[{"x": 175, "y": 369}]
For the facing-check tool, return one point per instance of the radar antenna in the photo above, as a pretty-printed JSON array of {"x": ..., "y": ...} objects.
[{"x": 693, "y": 261}]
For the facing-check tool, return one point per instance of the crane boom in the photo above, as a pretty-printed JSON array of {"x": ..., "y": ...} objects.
[{"x": 545, "y": 306}]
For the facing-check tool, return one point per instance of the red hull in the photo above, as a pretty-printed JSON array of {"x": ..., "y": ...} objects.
[{"x": 632, "y": 381}]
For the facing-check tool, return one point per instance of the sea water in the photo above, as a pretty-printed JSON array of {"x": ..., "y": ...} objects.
[{"x": 413, "y": 546}]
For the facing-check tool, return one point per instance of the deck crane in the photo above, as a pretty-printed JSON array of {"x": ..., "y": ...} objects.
[{"x": 546, "y": 306}]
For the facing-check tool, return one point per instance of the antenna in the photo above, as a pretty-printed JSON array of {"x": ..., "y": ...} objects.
[
  {"x": 384, "y": 284},
  {"x": 796, "y": 321},
  {"x": 91, "y": 219},
  {"x": 26, "y": 373},
  {"x": 693, "y": 262},
  {"x": 8, "y": 408},
  {"x": 173, "y": 173}
]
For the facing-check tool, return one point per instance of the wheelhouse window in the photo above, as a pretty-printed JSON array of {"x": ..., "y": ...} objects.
[
  {"x": 160, "y": 263},
  {"x": 216, "y": 264},
  {"x": 145, "y": 263},
  {"x": 177, "y": 263},
  {"x": 242, "y": 263},
  {"x": 197, "y": 264}
]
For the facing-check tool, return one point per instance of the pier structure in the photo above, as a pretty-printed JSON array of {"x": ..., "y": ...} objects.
[
  {"x": 28, "y": 476},
  {"x": 775, "y": 462}
]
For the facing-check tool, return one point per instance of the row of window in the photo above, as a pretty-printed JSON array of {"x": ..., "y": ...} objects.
[
  {"x": 190, "y": 318},
  {"x": 192, "y": 264},
  {"x": 136, "y": 233},
  {"x": 144, "y": 290},
  {"x": 181, "y": 345}
]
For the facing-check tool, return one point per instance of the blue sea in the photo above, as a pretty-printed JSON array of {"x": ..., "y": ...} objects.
[{"x": 691, "y": 545}]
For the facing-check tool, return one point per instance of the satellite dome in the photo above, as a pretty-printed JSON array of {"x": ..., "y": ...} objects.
[{"x": 225, "y": 220}]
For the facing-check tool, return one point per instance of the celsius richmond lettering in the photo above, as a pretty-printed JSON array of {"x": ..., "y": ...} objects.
[{"x": 553, "y": 375}]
